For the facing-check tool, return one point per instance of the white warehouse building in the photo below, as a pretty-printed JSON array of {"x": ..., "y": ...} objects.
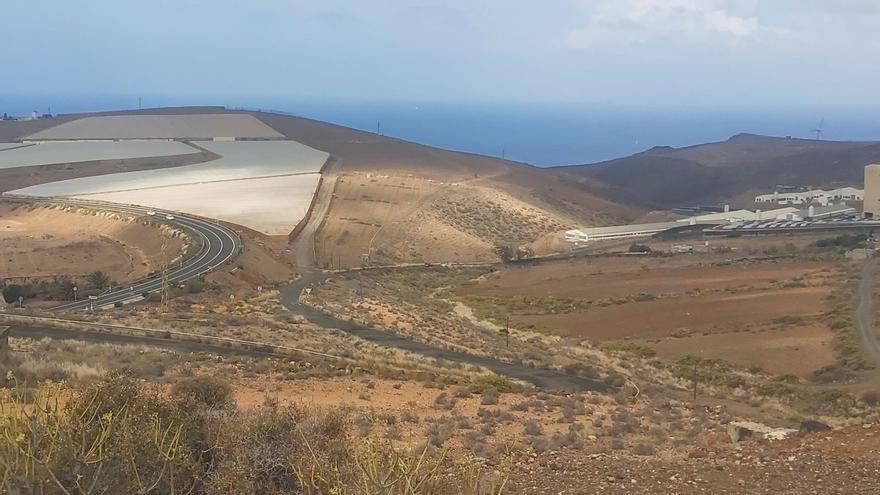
[
  {"x": 820, "y": 196},
  {"x": 736, "y": 216}
]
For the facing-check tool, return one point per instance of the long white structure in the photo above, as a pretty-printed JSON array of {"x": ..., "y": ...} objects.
[
  {"x": 238, "y": 160},
  {"x": 618, "y": 231},
  {"x": 33, "y": 154},
  {"x": 264, "y": 185},
  {"x": 195, "y": 126},
  {"x": 821, "y": 196},
  {"x": 721, "y": 218},
  {"x": 740, "y": 216}
]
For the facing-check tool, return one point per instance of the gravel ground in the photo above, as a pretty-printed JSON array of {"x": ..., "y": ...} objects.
[{"x": 841, "y": 462}]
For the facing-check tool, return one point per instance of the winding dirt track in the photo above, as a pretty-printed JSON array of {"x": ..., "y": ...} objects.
[
  {"x": 304, "y": 250},
  {"x": 865, "y": 310}
]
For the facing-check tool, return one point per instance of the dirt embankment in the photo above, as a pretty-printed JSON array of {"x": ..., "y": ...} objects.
[{"x": 43, "y": 241}]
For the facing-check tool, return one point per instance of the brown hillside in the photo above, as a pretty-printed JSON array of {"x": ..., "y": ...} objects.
[
  {"x": 402, "y": 201},
  {"x": 732, "y": 170}
]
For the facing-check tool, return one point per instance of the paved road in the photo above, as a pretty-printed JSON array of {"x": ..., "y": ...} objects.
[
  {"x": 865, "y": 311},
  {"x": 219, "y": 245},
  {"x": 539, "y": 377}
]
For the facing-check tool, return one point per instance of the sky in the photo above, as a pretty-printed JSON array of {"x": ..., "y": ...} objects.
[{"x": 665, "y": 53}]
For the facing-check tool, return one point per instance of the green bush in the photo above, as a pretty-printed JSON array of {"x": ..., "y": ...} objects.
[
  {"x": 61, "y": 288},
  {"x": 639, "y": 248},
  {"x": 195, "y": 286},
  {"x": 846, "y": 242},
  {"x": 11, "y": 293},
  {"x": 483, "y": 383},
  {"x": 98, "y": 280}
]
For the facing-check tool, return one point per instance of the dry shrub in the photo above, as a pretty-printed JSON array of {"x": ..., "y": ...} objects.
[
  {"x": 489, "y": 397},
  {"x": 113, "y": 436},
  {"x": 209, "y": 391}
]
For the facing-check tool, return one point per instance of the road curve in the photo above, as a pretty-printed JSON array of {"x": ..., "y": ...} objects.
[
  {"x": 218, "y": 245},
  {"x": 543, "y": 378}
]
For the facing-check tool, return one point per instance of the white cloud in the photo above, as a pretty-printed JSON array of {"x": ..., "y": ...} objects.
[
  {"x": 724, "y": 22},
  {"x": 624, "y": 22}
]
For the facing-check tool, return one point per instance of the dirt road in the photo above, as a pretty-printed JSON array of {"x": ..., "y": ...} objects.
[
  {"x": 539, "y": 377},
  {"x": 304, "y": 250},
  {"x": 865, "y": 311}
]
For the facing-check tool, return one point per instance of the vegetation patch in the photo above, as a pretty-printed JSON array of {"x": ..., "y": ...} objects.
[{"x": 631, "y": 348}]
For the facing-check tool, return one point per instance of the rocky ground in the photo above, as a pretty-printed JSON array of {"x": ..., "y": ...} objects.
[{"x": 843, "y": 461}]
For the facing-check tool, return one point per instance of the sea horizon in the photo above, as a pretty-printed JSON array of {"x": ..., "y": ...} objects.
[{"x": 544, "y": 135}]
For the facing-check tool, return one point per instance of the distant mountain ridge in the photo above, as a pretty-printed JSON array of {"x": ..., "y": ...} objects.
[{"x": 732, "y": 170}]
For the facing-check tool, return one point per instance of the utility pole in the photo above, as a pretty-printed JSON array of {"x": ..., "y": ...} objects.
[
  {"x": 163, "y": 291},
  {"x": 506, "y": 332},
  {"x": 695, "y": 381}
]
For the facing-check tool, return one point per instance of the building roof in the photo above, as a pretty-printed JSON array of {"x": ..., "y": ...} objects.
[
  {"x": 738, "y": 215},
  {"x": 824, "y": 211},
  {"x": 622, "y": 229}
]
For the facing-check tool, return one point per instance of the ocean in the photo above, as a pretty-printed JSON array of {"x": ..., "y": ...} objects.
[{"x": 543, "y": 135}]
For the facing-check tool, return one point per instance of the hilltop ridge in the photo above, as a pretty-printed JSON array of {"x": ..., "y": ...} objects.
[{"x": 732, "y": 170}]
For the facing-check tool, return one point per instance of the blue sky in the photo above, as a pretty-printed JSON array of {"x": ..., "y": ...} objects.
[{"x": 625, "y": 52}]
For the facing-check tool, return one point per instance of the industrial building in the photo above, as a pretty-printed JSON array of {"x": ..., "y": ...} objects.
[
  {"x": 735, "y": 217},
  {"x": 618, "y": 231},
  {"x": 820, "y": 196},
  {"x": 821, "y": 212},
  {"x": 740, "y": 216},
  {"x": 872, "y": 191}
]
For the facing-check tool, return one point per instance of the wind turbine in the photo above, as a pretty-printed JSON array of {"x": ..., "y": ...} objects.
[{"x": 819, "y": 133}]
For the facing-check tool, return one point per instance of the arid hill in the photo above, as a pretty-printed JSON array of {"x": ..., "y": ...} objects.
[
  {"x": 401, "y": 201},
  {"x": 397, "y": 201},
  {"x": 732, "y": 170}
]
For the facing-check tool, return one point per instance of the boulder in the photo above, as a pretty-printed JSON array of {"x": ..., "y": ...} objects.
[
  {"x": 812, "y": 426},
  {"x": 740, "y": 430},
  {"x": 738, "y": 433}
]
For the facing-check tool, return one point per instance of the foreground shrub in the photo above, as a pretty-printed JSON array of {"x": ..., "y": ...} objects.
[
  {"x": 115, "y": 436},
  {"x": 205, "y": 390}
]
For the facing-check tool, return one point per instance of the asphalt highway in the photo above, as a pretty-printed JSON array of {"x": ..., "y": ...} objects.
[{"x": 218, "y": 245}]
